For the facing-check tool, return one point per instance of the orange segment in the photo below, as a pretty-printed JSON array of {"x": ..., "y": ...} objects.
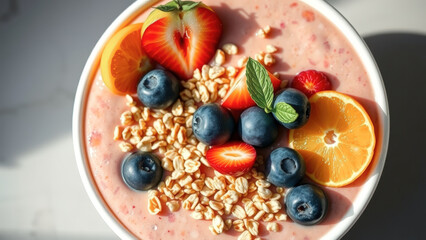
[
  {"x": 338, "y": 141},
  {"x": 123, "y": 61}
]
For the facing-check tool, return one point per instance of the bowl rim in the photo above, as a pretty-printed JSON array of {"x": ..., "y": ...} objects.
[{"x": 367, "y": 190}]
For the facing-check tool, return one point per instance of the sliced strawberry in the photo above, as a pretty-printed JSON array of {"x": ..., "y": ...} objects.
[
  {"x": 311, "y": 81},
  {"x": 182, "y": 41},
  {"x": 234, "y": 158},
  {"x": 238, "y": 97}
]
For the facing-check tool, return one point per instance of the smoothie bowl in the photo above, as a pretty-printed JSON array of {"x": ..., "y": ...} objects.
[{"x": 192, "y": 121}]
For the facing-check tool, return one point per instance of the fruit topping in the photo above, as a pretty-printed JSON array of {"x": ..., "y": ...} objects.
[
  {"x": 212, "y": 124},
  {"x": 141, "y": 171},
  {"x": 338, "y": 142},
  {"x": 233, "y": 158},
  {"x": 238, "y": 97},
  {"x": 284, "y": 167},
  {"x": 257, "y": 128},
  {"x": 262, "y": 92},
  {"x": 158, "y": 89},
  {"x": 306, "y": 204},
  {"x": 298, "y": 101},
  {"x": 123, "y": 61},
  {"x": 310, "y": 82},
  {"x": 181, "y": 36}
]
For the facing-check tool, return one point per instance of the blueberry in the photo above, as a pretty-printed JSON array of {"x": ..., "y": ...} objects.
[
  {"x": 306, "y": 204},
  {"x": 299, "y": 102},
  {"x": 257, "y": 128},
  {"x": 141, "y": 171},
  {"x": 284, "y": 167},
  {"x": 158, "y": 89},
  {"x": 212, "y": 124}
]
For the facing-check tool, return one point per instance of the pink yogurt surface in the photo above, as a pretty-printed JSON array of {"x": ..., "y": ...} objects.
[{"x": 306, "y": 40}]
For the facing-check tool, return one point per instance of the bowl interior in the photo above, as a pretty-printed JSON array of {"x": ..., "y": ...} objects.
[
  {"x": 373, "y": 72},
  {"x": 324, "y": 8}
]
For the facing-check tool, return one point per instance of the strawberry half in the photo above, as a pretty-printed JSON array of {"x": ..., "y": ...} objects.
[
  {"x": 238, "y": 97},
  {"x": 310, "y": 82},
  {"x": 182, "y": 36},
  {"x": 234, "y": 158}
]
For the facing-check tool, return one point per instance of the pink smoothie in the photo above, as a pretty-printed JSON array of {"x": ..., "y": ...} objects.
[{"x": 306, "y": 40}]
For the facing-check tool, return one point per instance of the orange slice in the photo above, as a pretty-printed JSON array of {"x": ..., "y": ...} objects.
[
  {"x": 123, "y": 61},
  {"x": 338, "y": 141}
]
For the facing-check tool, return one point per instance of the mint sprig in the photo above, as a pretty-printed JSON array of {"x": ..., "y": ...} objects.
[
  {"x": 177, "y": 5},
  {"x": 262, "y": 92}
]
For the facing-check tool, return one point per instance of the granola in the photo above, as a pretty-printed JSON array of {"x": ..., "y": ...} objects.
[{"x": 241, "y": 203}]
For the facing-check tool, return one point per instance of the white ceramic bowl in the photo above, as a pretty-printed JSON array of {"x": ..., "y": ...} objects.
[{"x": 335, "y": 17}]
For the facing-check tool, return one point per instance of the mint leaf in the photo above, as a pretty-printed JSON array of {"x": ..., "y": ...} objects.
[
  {"x": 259, "y": 85},
  {"x": 168, "y": 7},
  {"x": 285, "y": 112},
  {"x": 188, "y": 5}
]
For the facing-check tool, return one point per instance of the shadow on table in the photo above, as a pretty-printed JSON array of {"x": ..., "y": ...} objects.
[
  {"x": 397, "y": 209},
  {"x": 11, "y": 10},
  {"x": 43, "y": 49}
]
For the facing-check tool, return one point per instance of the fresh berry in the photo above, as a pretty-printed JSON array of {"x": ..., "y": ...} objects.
[
  {"x": 310, "y": 82},
  {"x": 299, "y": 102},
  {"x": 141, "y": 171},
  {"x": 306, "y": 204},
  {"x": 183, "y": 37},
  {"x": 212, "y": 124},
  {"x": 234, "y": 158},
  {"x": 238, "y": 97},
  {"x": 257, "y": 128},
  {"x": 284, "y": 167},
  {"x": 158, "y": 89}
]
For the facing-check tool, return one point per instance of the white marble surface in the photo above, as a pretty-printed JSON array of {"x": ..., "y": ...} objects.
[{"x": 43, "y": 48}]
